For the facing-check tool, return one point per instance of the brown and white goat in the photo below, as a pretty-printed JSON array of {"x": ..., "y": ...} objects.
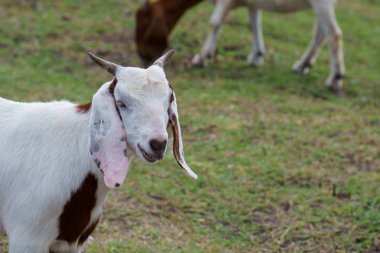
[{"x": 59, "y": 160}]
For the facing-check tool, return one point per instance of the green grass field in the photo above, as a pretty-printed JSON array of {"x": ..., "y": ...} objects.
[{"x": 283, "y": 165}]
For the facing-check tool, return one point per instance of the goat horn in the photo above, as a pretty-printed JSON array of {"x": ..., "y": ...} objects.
[
  {"x": 109, "y": 66},
  {"x": 163, "y": 59}
]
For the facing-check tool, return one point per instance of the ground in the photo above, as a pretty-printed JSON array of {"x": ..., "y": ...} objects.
[{"x": 283, "y": 165}]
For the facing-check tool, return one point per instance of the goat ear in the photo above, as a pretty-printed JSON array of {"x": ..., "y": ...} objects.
[
  {"x": 177, "y": 138},
  {"x": 108, "y": 145}
]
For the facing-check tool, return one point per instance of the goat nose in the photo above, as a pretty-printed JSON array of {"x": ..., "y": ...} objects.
[{"x": 158, "y": 146}]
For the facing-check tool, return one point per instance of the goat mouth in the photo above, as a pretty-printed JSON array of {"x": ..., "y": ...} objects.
[{"x": 146, "y": 155}]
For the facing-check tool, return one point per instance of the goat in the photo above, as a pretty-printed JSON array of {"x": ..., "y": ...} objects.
[
  {"x": 155, "y": 20},
  {"x": 60, "y": 160},
  {"x": 326, "y": 28}
]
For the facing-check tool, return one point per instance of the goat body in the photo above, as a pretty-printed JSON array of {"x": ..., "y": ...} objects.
[
  {"x": 283, "y": 6},
  {"x": 44, "y": 160},
  {"x": 326, "y": 28}
]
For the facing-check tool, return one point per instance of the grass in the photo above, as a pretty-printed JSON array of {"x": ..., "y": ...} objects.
[{"x": 284, "y": 165}]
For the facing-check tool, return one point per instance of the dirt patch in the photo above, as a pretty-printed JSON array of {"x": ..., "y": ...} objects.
[
  {"x": 20, "y": 3},
  {"x": 362, "y": 161}
]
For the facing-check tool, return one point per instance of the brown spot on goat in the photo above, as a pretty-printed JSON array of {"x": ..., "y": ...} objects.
[
  {"x": 84, "y": 108},
  {"x": 76, "y": 214},
  {"x": 111, "y": 90},
  {"x": 88, "y": 232}
]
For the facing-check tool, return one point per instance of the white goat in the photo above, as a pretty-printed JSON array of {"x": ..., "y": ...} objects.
[
  {"x": 58, "y": 160},
  {"x": 326, "y": 28}
]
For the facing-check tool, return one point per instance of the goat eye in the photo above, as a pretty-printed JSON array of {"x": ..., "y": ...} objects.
[{"x": 121, "y": 105}]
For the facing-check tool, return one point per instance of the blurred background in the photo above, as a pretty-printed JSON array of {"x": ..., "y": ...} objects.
[{"x": 283, "y": 164}]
